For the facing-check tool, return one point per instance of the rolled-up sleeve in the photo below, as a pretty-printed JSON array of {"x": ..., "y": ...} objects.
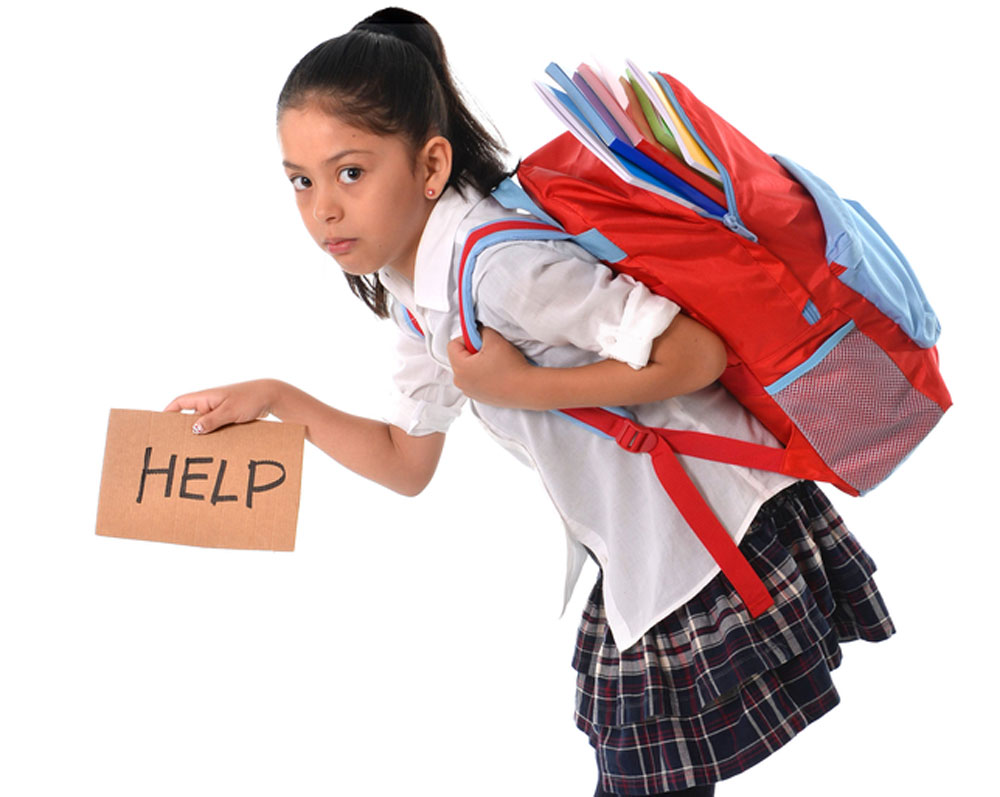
[
  {"x": 423, "y": 399},
  {"x": 558, "y": 294}
]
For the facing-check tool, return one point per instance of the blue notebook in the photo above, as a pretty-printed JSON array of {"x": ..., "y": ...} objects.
[{"x": 632, "y": 159}]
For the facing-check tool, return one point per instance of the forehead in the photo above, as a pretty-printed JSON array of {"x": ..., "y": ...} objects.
[{"x": 310, "y": 135}]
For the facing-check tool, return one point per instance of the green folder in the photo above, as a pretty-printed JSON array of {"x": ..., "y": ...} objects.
[{"x": 660, "y": 130}]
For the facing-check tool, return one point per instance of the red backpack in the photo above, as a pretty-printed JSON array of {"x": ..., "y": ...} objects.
[{"x": 830, "y": 339}]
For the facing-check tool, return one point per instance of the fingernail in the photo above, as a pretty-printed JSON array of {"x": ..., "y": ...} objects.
[{"x": 198, "y": 428}]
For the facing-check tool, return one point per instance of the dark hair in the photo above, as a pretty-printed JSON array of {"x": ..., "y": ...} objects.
[{"x": 389, "y": 75}]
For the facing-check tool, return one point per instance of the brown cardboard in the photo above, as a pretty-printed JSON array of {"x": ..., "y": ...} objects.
[{"x": 237, "y": 487}]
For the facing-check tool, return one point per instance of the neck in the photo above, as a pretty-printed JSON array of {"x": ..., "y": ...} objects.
[{"x": 406, "y": 265}]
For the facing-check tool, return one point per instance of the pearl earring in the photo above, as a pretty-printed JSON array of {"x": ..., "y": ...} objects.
[{"x": 430, "y": 193}]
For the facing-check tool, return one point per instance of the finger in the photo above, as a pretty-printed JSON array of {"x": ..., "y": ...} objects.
[
  {"x": 211, "y": 421},
  {"x": 178, "y": 404},
  {"x": 457, "y": 350},
  {"x": 199, "y": 402}
]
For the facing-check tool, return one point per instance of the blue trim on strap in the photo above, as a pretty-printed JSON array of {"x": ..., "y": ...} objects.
[
  {"x": 586, "y": 426},
  {"x": 544, "y": 233},
  {"x": 620, "y": 411},
  {"x": 812, "y": 362},
  {"x": 599, "y": 246},
  {"x": 409, "y": 322}
]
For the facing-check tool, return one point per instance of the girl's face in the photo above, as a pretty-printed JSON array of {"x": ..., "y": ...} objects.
[{"x": 363, "y": 196}]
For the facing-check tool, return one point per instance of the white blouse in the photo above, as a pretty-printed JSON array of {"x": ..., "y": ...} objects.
[{"x": 562, "y": 308}]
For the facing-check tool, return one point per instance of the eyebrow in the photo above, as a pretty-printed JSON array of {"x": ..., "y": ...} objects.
[{"x": 331, "y": 159}]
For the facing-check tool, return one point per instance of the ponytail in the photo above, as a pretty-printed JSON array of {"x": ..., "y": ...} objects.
[{"x": 389, "y": 75}]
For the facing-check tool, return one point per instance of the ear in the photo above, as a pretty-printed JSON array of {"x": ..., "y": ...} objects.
[{"x": 435, "y": 162}]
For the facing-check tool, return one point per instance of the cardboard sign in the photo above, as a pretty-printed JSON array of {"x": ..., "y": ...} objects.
[{"x": 237, "y": 487}]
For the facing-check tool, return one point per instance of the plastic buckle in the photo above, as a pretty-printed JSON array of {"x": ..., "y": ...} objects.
[{"x": 635, "y": 438}]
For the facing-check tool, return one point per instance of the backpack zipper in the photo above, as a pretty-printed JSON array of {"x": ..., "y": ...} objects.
[{"x": 732, "y": 218}]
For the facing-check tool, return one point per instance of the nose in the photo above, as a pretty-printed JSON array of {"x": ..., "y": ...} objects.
[{"x": 327, "y": 207}]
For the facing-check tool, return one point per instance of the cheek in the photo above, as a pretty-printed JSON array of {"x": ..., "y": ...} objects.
[{"x": 407, "y": 201}]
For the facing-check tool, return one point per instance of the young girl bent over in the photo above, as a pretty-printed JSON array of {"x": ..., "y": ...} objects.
[{"x": 678, "y": 687}]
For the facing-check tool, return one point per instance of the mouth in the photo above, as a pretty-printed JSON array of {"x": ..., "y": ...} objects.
[{"x": 339, "y": 246}]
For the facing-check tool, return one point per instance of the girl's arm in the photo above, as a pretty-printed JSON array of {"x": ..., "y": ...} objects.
[
  {"x": 686, "y": 357},
  {"x": 378, "y": 451}
]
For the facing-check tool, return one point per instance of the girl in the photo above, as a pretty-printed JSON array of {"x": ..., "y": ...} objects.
[{"x": 678, "y": 687}]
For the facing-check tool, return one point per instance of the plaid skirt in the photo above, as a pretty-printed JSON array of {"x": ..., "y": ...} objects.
[{"x": 708, "y": 691}]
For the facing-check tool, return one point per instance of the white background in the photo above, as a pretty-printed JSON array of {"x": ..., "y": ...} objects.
[{"x": 150, "y": 247}]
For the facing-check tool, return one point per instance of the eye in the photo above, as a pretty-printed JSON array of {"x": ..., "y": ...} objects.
[
  {"x": 300, "y": 183},
  {"x": 350, "y": 174}
]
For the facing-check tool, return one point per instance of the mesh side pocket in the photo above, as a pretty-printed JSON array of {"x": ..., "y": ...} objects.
[{"x": 859, "y": 411}]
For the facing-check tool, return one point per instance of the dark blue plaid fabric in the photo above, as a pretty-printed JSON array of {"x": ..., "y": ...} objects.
[{"x": 709, "y": 691}]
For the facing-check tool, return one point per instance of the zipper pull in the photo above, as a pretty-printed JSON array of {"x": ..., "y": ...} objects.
[{"x": 732, "y": 221}]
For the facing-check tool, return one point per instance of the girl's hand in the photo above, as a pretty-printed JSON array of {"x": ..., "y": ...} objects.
[
  {"x": 497, "y": 374},
  {"x": 221, "y": 406}
]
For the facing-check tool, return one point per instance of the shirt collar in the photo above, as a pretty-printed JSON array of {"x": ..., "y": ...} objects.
[{"x": 435, "y": 252}]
